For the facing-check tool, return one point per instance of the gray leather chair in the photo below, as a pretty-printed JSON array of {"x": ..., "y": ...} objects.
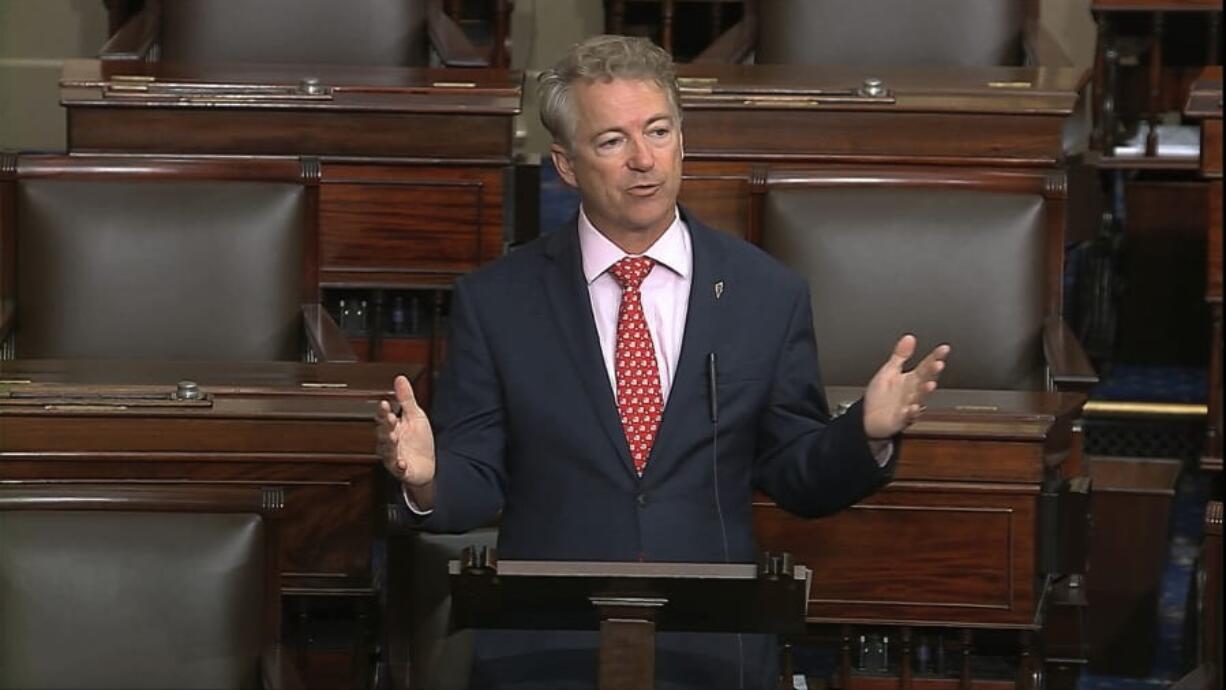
[
  {"x": 370, "y": 32},
  {"x": 161, "y": 258},
  {"x": 889, "y": 32},
  {"x": 139, "y": 587},
  {"x": 420, "y": 637},
  {"x": 972, "y": 258}
]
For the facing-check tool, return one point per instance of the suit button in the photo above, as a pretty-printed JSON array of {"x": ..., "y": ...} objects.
[{"x": 642, "y": 500}]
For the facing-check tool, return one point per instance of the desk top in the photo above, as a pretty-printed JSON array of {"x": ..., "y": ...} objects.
[
  {"x": 272, "y": 378},
  {"x": 146, "y": 388},
  {"x": 984, "y": 414},
  {"x": 290, "y": 86},
  {"x": 1013, "y": 90},
  {"x": 1156, "y": 5}
]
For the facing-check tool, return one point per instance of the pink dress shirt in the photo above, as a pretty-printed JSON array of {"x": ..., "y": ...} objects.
[{"x": 665, "y": 291}]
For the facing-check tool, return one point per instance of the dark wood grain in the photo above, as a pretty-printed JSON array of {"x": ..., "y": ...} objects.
[
  {"x": 873, "y": 136},
  {"x": 1211, "y": 148},
  {"x": 443, "y": 136},
  {"x": 1213, "y": 286},
  {"x": 918, "y": 552},
  {"x": 253, "y": 432},
  {"x": 409, "y": 220},
  {"x": 718, "y": 192},
  {"x": 953, "y": 540}
]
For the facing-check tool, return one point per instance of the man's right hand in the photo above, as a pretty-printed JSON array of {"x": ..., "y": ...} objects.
[{"x": 406, "y": 444}]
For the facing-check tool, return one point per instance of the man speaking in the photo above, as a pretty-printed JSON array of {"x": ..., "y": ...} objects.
[{"x": 619, "y": 388}]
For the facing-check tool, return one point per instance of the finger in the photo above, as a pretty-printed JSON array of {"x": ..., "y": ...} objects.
[
  {"x": 934, "y": 363},
  {"x": 404, "y": 392},
  {"x": 903, "y": 350}
]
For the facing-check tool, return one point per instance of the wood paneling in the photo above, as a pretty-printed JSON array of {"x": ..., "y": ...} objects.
[
  {"x": 872, "y": 137},
  {"x": 1211, "y": 148},
  {"x": 958, "y": 547},
  {"x": 408, "y": 220},
  {"x": 718, "y": 193},
  {"x": 262, "y": 425},
  {"x": 954, "y": 554},
  {"x": 207, "y": 131},
  {"x": 1213, "y": 286}
]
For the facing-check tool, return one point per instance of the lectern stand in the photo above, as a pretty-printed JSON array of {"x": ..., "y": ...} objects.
[{"x": 628, "y": 603}]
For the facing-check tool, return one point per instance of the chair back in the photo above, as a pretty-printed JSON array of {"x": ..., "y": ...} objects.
[
  {"x": 122, "y": 587},
  {"x": 115, "y": 261},
  {"x": 971, "y": 259},
  {"x": 354, "y": 32},
  {"x": 891, "y": 32}
]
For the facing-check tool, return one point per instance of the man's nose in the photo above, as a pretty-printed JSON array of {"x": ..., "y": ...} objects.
[{"x": 640, "y": 156}]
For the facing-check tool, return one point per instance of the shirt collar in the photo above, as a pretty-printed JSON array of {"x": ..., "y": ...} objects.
[{"x": 599, "y": 253}]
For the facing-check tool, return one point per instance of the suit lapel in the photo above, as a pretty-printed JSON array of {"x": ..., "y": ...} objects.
[
  {"x": 700, "y": 339},
  {"x": 572, "y": 312}
]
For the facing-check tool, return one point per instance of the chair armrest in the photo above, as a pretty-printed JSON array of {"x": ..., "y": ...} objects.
[
  {"x": 453, "y": 47},
  {"x": 277, "y": 670},
  {"x": 324, "y": 338},
  {"x": 733, "y": 46},
  {"x": 1042, "y": 48},
  {"x": 1068, "y": 366},
  {"x": 135, "y": 39}
]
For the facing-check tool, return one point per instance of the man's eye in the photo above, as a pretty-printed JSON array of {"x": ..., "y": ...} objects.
[
  {"x": 608, "y": 143},
  {"x": 660, "y": 132}
]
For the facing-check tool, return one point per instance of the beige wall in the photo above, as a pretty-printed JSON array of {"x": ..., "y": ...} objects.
[{"x": 35, "y": 37}]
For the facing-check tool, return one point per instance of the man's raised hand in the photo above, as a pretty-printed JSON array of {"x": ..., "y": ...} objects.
[
  {"x": 895, "y": 399},
  {"x": 405, "y": 443}
]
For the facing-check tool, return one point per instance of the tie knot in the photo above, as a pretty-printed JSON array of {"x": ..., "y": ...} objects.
[{"x": 630, "y": 271}]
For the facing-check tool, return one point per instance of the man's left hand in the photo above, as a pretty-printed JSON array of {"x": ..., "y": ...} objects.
[{"x": 894, "y": 399}]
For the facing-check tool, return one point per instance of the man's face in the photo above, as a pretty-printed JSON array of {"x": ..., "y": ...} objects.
[{"x": 625, "y": 159}]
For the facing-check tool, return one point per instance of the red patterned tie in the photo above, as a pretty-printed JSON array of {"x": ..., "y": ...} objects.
[{"x": 639, "y": 399}]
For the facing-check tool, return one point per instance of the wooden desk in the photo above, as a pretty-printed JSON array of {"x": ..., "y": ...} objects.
[
  {"x": 741, "y": 121},
  {"x": 1205, "y": 104},
  {"x": 956, "y": 539},
  {"x": 1160, "y": 78},
  {"x": 305, "y": 427},
  {"x": 412, "y": 164}
]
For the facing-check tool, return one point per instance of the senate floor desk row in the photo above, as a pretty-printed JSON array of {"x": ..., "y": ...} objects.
[{"x": 210, "y": 212}]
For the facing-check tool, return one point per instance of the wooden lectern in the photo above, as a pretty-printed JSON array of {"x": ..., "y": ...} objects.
[{"x": 627, "y": 602}]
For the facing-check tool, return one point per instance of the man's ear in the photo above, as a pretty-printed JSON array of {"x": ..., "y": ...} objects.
[{"x": 561, "y": 163}]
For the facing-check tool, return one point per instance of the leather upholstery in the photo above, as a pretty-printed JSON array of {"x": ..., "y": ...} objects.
[
  {"x": 958, "y": 266},
  {"x": 439, "y": 658},
  {"x": 130, "y": 599},
  {"x": 166, "y": 269},
  {"x": 370, "y": 32},
  {"x": 890, "y": 32}
]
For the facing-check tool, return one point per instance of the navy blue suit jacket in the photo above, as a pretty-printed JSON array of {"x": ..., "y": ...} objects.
[{"x": 526, "y": 422}]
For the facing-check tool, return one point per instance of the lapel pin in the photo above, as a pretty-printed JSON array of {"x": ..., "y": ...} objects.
[{"x": 719, "y": 289}]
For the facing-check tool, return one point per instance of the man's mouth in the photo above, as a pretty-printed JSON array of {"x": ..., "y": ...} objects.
[{"x": 644, "y": 189}]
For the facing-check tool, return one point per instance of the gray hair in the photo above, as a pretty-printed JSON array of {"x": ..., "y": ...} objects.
[{"x": 602, "y": 58}]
